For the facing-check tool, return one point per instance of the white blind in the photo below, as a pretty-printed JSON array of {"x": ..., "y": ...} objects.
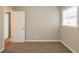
[{"x": 70, "y": 16}]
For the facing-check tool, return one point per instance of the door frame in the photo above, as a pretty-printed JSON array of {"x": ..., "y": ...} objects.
[
  {"x": 9, "y": 24},
  {"x": 9, "y": 27}
]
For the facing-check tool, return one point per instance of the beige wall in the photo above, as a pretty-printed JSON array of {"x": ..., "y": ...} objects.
[
  {"x": 1, "y": 29},
  {"x": 70, "y": 36},
  {"x": 42, "y": 23}
]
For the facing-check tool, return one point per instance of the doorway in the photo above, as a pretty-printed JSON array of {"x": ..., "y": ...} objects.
[
  {"x": 7, "y": 28},
  {"x": 7, "y": 25},
  {"x": 14, "y": 27}
]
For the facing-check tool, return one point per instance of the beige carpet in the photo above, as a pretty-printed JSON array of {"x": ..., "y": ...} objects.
[{"x": 36, "y": 47}]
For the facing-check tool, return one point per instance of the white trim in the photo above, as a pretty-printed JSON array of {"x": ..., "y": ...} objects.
[
  {"x": 18, "y": 41},
  {"x": 12, "y": 40},
  {"x": 68, "y": 47},
  {"x": 3, "y": 46},
  {"x": 42, "y": 40},
  {"x": 1, "y": 50}
]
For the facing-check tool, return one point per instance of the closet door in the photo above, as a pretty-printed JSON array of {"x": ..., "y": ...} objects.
[{"x": 18, "y": 26}]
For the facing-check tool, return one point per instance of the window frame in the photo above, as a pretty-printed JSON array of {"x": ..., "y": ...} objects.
[{"x": 70, "y": 16}]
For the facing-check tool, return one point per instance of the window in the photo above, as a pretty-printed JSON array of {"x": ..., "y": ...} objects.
[{"x": 70, "y": 17}]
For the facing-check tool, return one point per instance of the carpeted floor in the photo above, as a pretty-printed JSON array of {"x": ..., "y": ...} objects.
[{"x": 36, "y": 47}]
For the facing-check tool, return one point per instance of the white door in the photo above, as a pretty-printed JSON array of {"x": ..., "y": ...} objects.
[
  {"x": 6, "y": 25},
  {"x": 18, "y": 28}
]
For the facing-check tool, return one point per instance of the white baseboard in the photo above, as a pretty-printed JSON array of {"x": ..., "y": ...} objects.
[
  {"x": 3, "y": 46},
  {"x": 17, "y": 41},
  {"x": 42, "y": 40},
  {"x": 1, "y": 50},
  {"x": 68, "y": 47}
]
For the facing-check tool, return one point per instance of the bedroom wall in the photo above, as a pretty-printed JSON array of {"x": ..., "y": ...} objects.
[
  {"x": 42, "y": 23},
  {"x": 70, "y": 36}
]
